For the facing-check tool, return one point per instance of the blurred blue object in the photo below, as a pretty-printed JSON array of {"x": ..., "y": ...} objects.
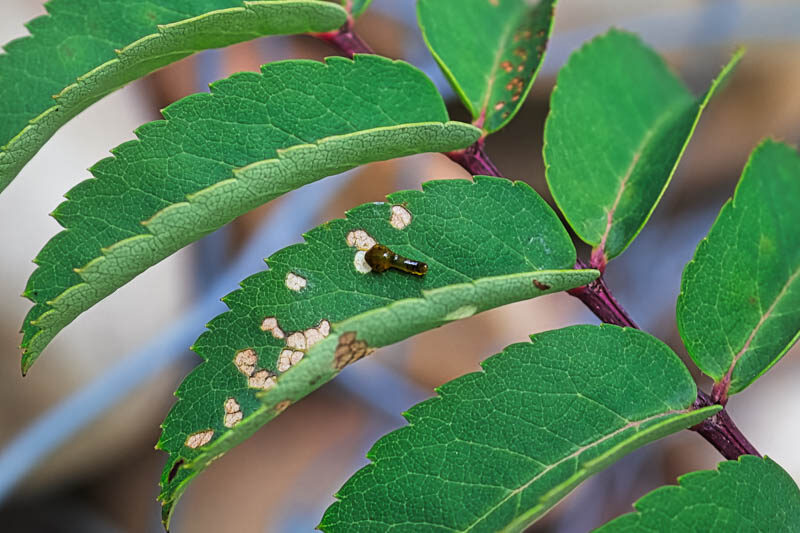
[{"x": 297, "y": 213}]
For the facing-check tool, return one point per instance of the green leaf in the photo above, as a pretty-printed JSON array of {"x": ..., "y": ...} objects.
[
  {"x": 739, "y": 306},
  {"x": 496, "y": 449},
  {"x": 218, "y": 155},
  {"x": 86, "y": 49},
  {"x": 750, "y": 494},
  {"x": 486, "y": 243},
  {"x": 356, "y": 8},
  {"x": 618, "y": 125},
  {"x": 490, "y": 50}
]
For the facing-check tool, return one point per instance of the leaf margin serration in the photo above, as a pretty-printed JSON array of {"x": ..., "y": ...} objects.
[{"x": 103, "y": 79}]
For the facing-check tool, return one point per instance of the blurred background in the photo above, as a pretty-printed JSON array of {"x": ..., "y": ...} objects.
[{"x": 77, "y": 435}]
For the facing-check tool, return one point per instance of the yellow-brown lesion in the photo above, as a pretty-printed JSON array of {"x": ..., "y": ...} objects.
[{"x": 380, "y": 258}]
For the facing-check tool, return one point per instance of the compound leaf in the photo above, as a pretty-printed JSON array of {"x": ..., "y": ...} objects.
[
  {"x": 486, "y": 243},
  {"x": 750, "y": 494},
  {"x": 218, "y": 155},
  {"x": 490, "y": 50},
  {"x": 85, "y": 49},
  {"x": 739, "y": 307},
  {"x": 496, "y": 449},
  {"x": 618, "y": 125}
]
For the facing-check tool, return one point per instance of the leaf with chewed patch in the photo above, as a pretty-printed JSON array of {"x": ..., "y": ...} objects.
[
  {"x": 495, "y": 450},
  {"x": 618, "y": 125},
  {"x": 490, "y": 50},
  {"x": 216, "y": 156},
  {"x": 85, "y": 49},
  {"x": 320, "y": 307},
  {"x": 739, "y": 307},
  {"x": 750, "y": 494}
]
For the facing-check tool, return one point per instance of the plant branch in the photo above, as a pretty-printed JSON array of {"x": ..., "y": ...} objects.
[
  {"x": 598, "y": 298},
  {"x": 719, "y": 430},
  {"x": 346, "y": 40}
]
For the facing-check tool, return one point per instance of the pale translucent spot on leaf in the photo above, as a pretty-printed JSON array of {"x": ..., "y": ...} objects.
[
  {"x": 360, "y": 239},
  {"x": 271, "y": 324},
  {"x": 314, "y": 335},
  {"x": 465, "y": 311},
  {"x": 285, "y": 360},
  {"x": 401, "y": 218},
  {"x": 324, "y": 328},
  {"x": 295, "y": 283},
  {"x": 297, "y": 357},
  {"x": 233, "y": 413},
  {"x": 360, "y": 262},
  {"x": 263, "y": 380},
  {"x": 246, "y": 361},
  {"x": 201, "y": 438},
  {"x": 297, "y": 340}
]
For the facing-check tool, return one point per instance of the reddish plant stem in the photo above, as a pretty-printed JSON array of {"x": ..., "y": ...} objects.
[
  {"x": 719, "y": 430},
  {"x": 346, "y": 40},
  {"x": 474, "y": 159},
  {"x": 601, "y": 302}
]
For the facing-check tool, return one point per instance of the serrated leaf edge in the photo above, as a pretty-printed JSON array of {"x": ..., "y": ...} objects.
[
  {"x": 477, "y": 115},
  {"x": 318, "y": 365},
  {"x": 265, "y": 176},
  {"x": 89, "y": 87},
  {"x": 729, "y": 205},
  {"x": 716, "y": 83}
]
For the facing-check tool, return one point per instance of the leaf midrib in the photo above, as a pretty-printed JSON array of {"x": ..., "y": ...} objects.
[
  {"x": 637, "y": 154},
  {"x": 576, "y": 453},
  {"x": 504, "y": 37},
  {"x": 764, "y": 317}
]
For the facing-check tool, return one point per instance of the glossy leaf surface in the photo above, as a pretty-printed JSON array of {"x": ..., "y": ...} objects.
[
  {"x": 750, "y": 494},
  {"x": 85, "y": 49},
  {"x": 490, "y": 50},
  {"x": 618, "y": 125},
  {"x": 739, "y": 307},
  {"x": 496, "y": 449},
  {"x": 218, "y": 155},
  {"x": 486, "y": 244}
]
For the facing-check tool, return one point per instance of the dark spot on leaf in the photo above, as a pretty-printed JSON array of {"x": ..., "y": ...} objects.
[
  {"x": 174, "y": 470},
  {"x": 539, "y": 285},
  {"x": 349, "y": 350},
  {"x": 282, "y": 406}
]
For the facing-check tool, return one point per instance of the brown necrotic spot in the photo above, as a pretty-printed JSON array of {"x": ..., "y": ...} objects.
[
  {"x": 539, "y": 285},
  {"x": 281, "y": 406},
  {"x": 349, "y": 350},
  {"x": 506, "y": 65}
]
